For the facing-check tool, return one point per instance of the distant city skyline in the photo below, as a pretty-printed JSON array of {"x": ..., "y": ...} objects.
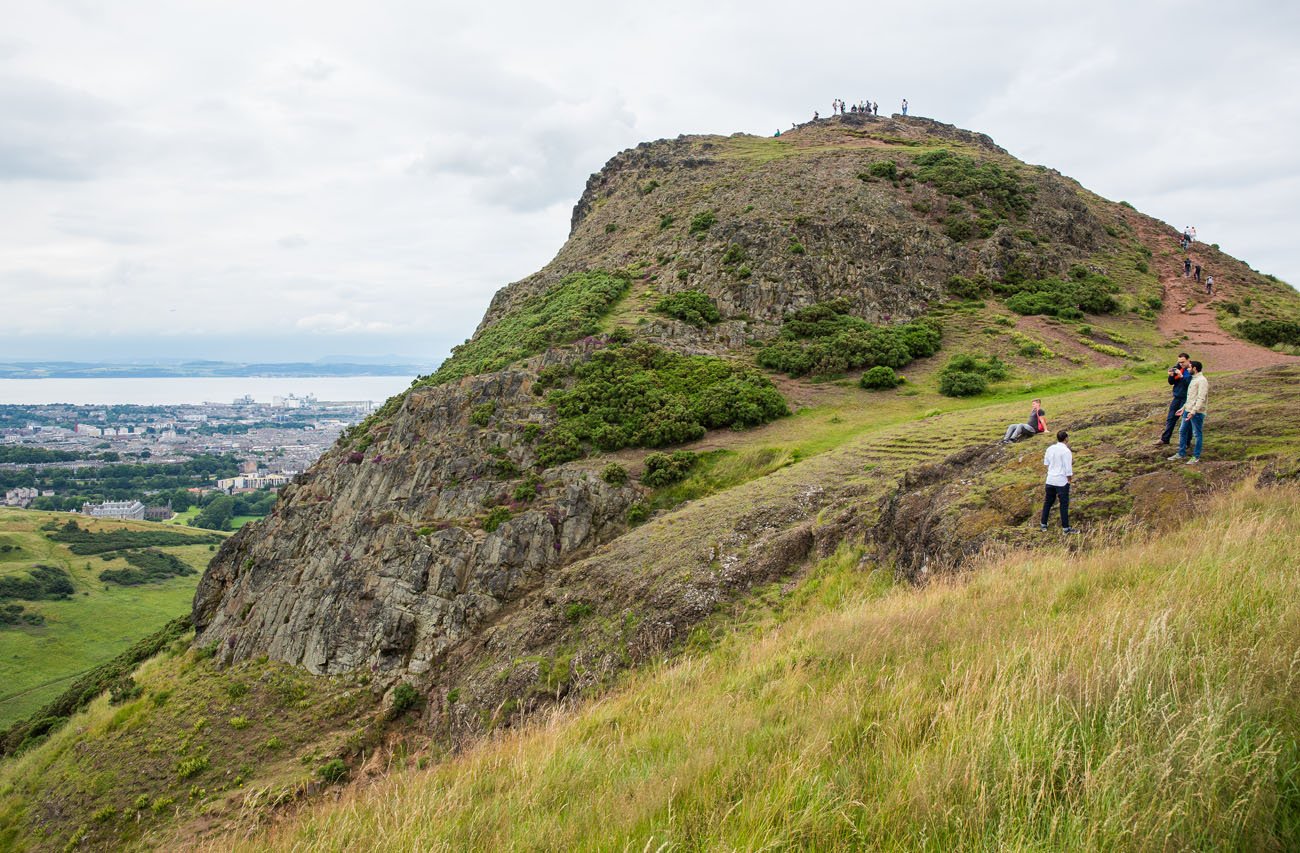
[{"x": 284, "y": 183}]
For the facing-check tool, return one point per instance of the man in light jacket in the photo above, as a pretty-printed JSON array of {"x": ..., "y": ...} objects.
[
  {"x": 1193, "y": 415},
  {"x": 1060, "y": 471}
]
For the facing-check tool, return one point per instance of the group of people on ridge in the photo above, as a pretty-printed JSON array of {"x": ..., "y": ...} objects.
[
  {"x": 839, "y": 108},
  {"x": 1191, "y": 391}
]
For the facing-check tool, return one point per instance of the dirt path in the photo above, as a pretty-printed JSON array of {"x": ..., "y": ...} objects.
[{"x": 1205, "y": 340}]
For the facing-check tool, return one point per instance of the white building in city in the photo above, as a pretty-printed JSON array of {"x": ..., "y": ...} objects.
[{"x": 115, "y": 509}]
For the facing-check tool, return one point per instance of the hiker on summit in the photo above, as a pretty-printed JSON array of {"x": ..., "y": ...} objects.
[
  {"x": 1179, "y": 377},
  {"x": 1033, "y": 426},
  {"x": 1193, "y": 414},
  {"x": 1060, "y": 472},
  {"x": 905, "y": 106},
  {"x": 875, "y": 108}
]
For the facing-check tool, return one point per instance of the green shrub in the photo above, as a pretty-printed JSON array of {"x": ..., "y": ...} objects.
[
  {"x": 664, "y": 469},
  {"x": 702, "y": 222},
  {"x": 1232, "y": 308},
  {"x": 1141, "y": 266},
  {"x": 880, "y": 378},
  {"x": 570, "y": 310},
  {"x": 640, "y": 395},
  {"x": 41, "y": 582},
  {"x": 796, "y": 248},
  {"x": 123, "y": 690},
  {"x": 665, "y": 221},
  {"x": 193, "y": 766},
  {"x": 1270, "y": 332},
  {"x": 959, "y": 383},
  {"x": 1068, "y": 299},
  {"x": 638, "y": 512},
  {"x": 528, "y": 489},
  {"x": 577, "y": 611},
  {"x": 332, "y": 771},
  {"x": 611, "y": 227},
  {"x": 405, "y": 697},
  {"x": 967, "y": 288},
  {"x": 967, "y": 375},
  {"x": 481, "y": 415},
  {"x": 965, "y": 177},
  {"x": 239, "y": 723},
  {"x": 614, "y": 474},
  {"x": 150, "y": 566},
  {"x": 690, "y": 306},
  {"x": 496, "y": 517},
  {"x": 735, "y": 254},
  {"x": 825, "y": 339},
  {"x": 886, "y": 169}
]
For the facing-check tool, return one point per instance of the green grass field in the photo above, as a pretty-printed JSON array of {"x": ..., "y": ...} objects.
[
  {"x": 96, "y": 623},
  {"x": 1140, "y": 695}
]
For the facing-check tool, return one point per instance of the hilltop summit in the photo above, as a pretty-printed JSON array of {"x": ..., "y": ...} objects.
[{"x": 687, "y": 263}]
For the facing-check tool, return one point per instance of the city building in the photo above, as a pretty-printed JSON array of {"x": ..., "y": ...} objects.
[
  {"x": 115, "y": 509},
  {"x": 158, "y": 513},
  {"x": 20, "y": 497}
]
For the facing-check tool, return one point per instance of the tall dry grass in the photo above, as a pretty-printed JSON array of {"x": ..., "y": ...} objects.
[{"x": 1143, "y": 695}]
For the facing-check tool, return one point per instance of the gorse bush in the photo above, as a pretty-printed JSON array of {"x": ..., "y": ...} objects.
[
  {"x": 1269, "y": 332},
  {"x": 825, "y": 338},
  {"x": 614, "y": 474},
  {"x": 886, "y": 169},
  {"x": 148, "y": 566},
  {"x": 664, "y": 469},
  {"x": 965, "y": 177},
  {"x": 85, "y": 542},
  {"x": 41, "y": 582},
  {"x": 640, "y": 395},
  {"x": 570, "y": 310},
  {"x": 967, "y": 375},
  {"x": 690, "y": 306},
  {"x": 1086, "y": 293},
  {"x": 880, "y": 378},
  {"x": 702, "y": 222}
]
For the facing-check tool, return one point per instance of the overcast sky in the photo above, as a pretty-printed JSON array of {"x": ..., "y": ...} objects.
[{"x": 289, "y": 181}]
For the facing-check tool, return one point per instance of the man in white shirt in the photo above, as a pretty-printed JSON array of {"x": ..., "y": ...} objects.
[{"x": 1060, "y": 471}]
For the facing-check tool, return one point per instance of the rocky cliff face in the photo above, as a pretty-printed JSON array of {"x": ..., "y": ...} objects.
[{"x": 437, "y": 519}]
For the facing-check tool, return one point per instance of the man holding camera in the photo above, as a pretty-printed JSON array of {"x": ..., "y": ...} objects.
[{"x": 1180, "y": 376}]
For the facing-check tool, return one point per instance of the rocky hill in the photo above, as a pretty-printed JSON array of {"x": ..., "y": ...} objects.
[{"x": 749, "y": 353}]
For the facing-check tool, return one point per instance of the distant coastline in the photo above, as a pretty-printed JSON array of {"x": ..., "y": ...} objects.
[{"x": 201, "y": 370}]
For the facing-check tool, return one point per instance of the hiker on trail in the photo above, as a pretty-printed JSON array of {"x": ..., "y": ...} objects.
[
  {"x": 905, "y": 106},
  {"x": 1179, "y": 377},
  {"x": 1033, "y": 426},
  {"x": 1193, "y": 414},
  {"x": 1191, "y": 233},
  {"x": 1060, "y": 471},
  {"x": 1187, "y": 267},
  {"x": 1209, "y": 285},
  {"x": 1198, "y": 272}
]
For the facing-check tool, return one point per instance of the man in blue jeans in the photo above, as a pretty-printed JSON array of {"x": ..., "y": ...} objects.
[
  {"x": 1179, "y": 377},
  {"x": 1193, "y": 415},
  {"x": 1060, "y": 471}
]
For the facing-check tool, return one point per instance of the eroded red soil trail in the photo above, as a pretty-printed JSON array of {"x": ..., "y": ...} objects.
[{"x": 1206, "y": 342}]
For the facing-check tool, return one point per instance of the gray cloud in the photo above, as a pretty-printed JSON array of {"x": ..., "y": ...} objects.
[{"x": 254, "y": 177}]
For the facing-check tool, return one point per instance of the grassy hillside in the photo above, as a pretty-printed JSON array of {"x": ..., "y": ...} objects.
[
  {"x": 1137, "y": 695},
  {"x": 97, "y": 621}
]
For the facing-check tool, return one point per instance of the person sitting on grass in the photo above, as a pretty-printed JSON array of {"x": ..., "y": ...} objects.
[{"x": 1033, "y": 426}]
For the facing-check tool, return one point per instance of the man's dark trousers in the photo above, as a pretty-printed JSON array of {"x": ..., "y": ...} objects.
[
  {"x": 1171, "y": 419},
  {"x": 1054, "y": 492}
]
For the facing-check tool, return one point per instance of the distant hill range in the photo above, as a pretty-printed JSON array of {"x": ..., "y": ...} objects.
[{"x": 192, "y": 369}]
